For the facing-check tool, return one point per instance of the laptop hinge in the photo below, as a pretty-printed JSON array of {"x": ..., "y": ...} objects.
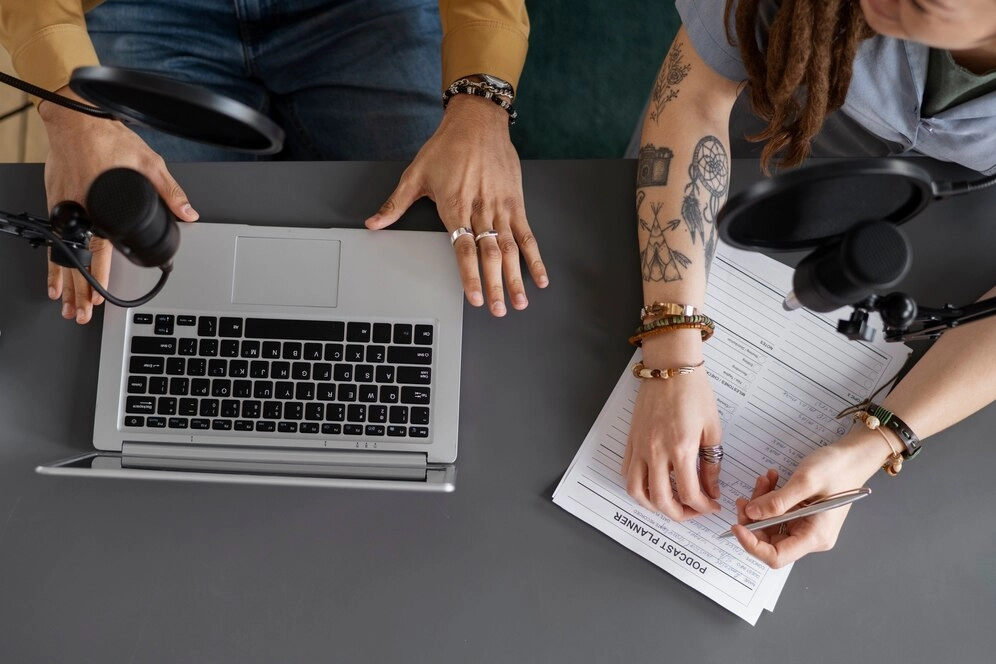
[{"x": 275, "y": 455}]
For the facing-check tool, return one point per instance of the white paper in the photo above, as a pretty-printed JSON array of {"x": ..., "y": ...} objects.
[{"x": 779, "y": 378}]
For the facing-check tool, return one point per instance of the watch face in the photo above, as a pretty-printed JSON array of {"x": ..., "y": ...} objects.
[{"x": 497, "y": 82}]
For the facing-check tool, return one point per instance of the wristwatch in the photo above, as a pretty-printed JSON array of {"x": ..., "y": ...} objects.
[{"x": 501, "y": 84}]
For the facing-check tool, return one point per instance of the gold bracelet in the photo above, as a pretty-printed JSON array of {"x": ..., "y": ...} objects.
[
  {"x": 667, "y": 309},
  {"x": 642, "y": 372},
  {"x": 894, "y": 463},
  {"x": 637, "y": 339}
]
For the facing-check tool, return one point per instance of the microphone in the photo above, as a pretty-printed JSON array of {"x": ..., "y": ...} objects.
[
  {"x": 871, "y": 255},
  {"x": 124, "y": 208}
]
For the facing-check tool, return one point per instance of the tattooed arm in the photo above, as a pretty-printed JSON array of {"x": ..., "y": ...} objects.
[{"x": 683, "y": 178}]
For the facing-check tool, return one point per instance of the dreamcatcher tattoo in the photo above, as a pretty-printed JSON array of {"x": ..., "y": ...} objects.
[{"x": 710, "y": 170}]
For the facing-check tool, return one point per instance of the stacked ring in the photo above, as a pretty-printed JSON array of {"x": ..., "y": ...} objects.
[
  {"x": 481, "y": 236},
  {"x": 712, "y": 454},
  {"x": 459, "y": 233}
]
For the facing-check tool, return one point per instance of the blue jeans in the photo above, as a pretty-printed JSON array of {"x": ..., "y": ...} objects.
[{"x": 346, "y": 79}]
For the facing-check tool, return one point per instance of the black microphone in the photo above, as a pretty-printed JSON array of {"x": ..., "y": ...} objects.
[
  {"x": 124, "y": 208},
  {"x": 871, "y": 256}
]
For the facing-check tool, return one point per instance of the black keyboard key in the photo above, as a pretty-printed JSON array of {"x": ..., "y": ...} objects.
[
  {"x": 377, "y": 414},
  {"x": 418, "y": 432},
  {"x": 293, "y": 410},
  {"x": 145, "y": 405},
  {"x": 420, "y": 415},
  {"x": 382, "y": 333},
  {"x": 187, "y": 346},
  {"x": 164, "y": 325},
  {"x": 335, "y": 412},
  {"x": 153, "y": 345},
  {"x": 249, "y": 349},
  {"x": 155, "y": 422},
  {"x": 230, "y": 408},
  {"x": 399, "y": 415},
  {"x": 333, "y": 352},
  {"x": 200, "y": 423},
  {"x": 301, "y": 371},
  {"x": 419, "y": 395},
  {"x": 330, "y": 429},
  {"x": 402, "y": 333},
  {"x": 267, "y": 427},
  {"x": 200, "y": 387},
  {"x": 280, "y": 370},
  {"x": 188, "y": 407},
  {"x": 209, "y": 408},
  {"x": 284, "y": 389},
  {"x": 143, "y": 364},
  {"x": 352, "y": 429},
  {"x": 292, "y": 350},
  {"x": 374, "y": 430},
  {"x": 142, "y": 319},
  {"x": 230, "y": 327},
  {"x": 376, "y": 354},
  {"x": 385, "y": 374},
  {"x": 137, "y": 384},
  {"x": 196, "y": 366},
  {"x": 368, "y": 393},
  {"x": 179, "y": 387},
  {"x": 221, "y": 425},
  {"x": 306, "y": 330},
  {"x": 308, "y": 427},
  {"x": 414, "y": 375},
  {"x": 271, "y": 350},
  {"x": 244, "y": 425},
  {"x": 287, "y": 427},
  {"x": 314, "y": 411},
  {"x": 166, "y": 406},
  {"x": 356, "y": 412},
  {"x": 423, "y": 335},
  {"x": 363, "y": 373},
  {"x": 272, "y": 410},
  {"x": 229, "y": 348},
  {"x": 238, "y": 368},
  {"x": 325, "y": 392},
  {"x": 178, "y": 423},
  {"x": 134, "y": 421},
  {"x": 207, "y": 326},
  {"x": 262, "y": 389},
  {"x": 354, "y": 353},
  {"x": 312, "y": 352},
  {"x": 343, "y": 373},
  {"x": 242, "y": 389},
  {"x": 252, "y": 408},
  {"x": 186, "y": 321},
  {"x": 347, "y": 392},
  {"x": 207, "y": 348},
  {"x": 176, "y": 366},
  {"x": 259, "y": 369},
  {"x": 358, "y": 332},
  {"x": 158, "y": 385},
  {"x": 304, "y": 391},
  {"x": 409, "y": 355},
  {"x": 396, "y": 431},
  {"x": 388, "y": 394},
  {"x": 217, "y": 368},
  {"x": 321, "y": 371}
]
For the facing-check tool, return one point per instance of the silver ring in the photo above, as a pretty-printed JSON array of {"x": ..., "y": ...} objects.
[
  {"x": 481, "y": 236},
  {"x": 713, "y": 454},
  {"x": 459, "y": 233}
]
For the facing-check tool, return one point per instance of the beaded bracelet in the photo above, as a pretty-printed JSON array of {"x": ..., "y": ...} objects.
[
  {"x": 667, "y": 321},
  {"x": 894, "y": 463},
  {"x": 666, "y": 309},
  {"x": 480, "y": 89},
  {"x": 642, "y": 372},
  {"x": 637, "y": 339},
  {"x": 874, "y": 416}
]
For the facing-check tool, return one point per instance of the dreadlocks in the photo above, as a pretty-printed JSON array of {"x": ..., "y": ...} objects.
[{"x": 811, "y": 45}]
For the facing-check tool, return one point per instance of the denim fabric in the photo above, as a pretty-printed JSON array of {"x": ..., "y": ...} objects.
[{"x": 346, "y": 79}]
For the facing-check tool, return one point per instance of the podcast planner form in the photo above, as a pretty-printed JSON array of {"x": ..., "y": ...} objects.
[{"x": 780, "y": 378}]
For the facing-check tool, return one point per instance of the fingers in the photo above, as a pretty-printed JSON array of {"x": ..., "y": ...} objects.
[
  {"x": 709, "y": 478},
  {"x": 775, "y": 554},
  {"x": 54, "y": 278},
  {"x": 68, "y": 295},
  {"x": 171, "y": 192},
  {"x": 774, "y": 502},
  {"x": 100, "y": 265},
  {"x": 397, "y": 204},
  {"x": 466, "y": 256},
  {"x": 526, "y": 242},
  {"x": 482, "y": 220}
]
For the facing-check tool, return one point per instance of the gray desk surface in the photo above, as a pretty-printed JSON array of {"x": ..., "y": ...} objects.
[{"x": 120, "y": 571}]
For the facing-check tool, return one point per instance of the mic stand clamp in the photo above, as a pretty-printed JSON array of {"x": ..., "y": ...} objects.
[{"x": 905, "y": 321}]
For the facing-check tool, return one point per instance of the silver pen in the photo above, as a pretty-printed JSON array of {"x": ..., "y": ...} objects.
[{"x": 822, "y": 505}]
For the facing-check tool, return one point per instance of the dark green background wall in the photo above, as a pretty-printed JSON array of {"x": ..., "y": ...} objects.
[{"x": 588, "y": 74}]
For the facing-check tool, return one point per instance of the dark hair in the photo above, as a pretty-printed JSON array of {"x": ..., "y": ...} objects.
[{"x": 811, "y": 47}]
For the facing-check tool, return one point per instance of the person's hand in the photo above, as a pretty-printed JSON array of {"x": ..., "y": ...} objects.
[
  {"x": 672, "y": 419},
  {"x": 81, "y": 148},
  {"x": 847, "y": 464},
  {"x": 471, "y": 170}
]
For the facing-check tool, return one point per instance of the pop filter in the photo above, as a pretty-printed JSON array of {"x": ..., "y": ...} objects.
[
  {"x": 177, "y": 108},
  {"x": 808, "y": 207}
]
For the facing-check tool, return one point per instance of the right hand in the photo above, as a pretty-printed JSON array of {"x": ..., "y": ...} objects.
[
  {"x": 82, "y": 147},
  {"x": 672, "y": 419}
]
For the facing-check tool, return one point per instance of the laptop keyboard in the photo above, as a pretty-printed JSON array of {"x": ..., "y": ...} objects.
[{"x": 278, "y": 376}]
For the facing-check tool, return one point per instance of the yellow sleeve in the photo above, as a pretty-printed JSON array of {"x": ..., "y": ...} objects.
[
  {"x": 46, "y": 39},
  {"x": 484, "y": 37}
]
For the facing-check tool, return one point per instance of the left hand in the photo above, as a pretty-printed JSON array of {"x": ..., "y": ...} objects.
[
  {"x": 847, "y": 464},
  {"x": 471, "y": 170}
]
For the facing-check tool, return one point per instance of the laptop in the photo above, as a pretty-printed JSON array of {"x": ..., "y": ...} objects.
[{"x": 276, "y": 355}]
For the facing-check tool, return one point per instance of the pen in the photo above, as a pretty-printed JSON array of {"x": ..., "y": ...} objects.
[{"x": 822, "y": 505}]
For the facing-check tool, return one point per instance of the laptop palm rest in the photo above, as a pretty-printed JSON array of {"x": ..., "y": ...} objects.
[{"x": 286, "y": 271}]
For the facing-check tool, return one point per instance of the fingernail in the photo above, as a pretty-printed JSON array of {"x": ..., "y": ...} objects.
[
  {"x": 81, "y": 316},
  {"x": 543, "y": 282},
  {"x": 520, "y": 300},
  {"x": 51, "y": 293},
  {"x": 498, "y": 308},
  {"x": 476, "y": 299},
  {"x": 189, "y": 212},
  {"x": 67, "y": 310},
  {"x": 753, "y": 511}
]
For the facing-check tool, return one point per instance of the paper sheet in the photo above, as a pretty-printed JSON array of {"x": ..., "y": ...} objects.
[{"x": 779, "y": 378}]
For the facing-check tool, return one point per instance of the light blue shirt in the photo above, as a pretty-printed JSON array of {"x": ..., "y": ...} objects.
[{"x": 885, "y": 93}]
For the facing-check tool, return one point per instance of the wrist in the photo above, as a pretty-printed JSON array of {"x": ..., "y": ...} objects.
[
  {"x": 477, "y": 109},
  {"x": 869, "y": 449},
  {"x": 673, "y": 348}
]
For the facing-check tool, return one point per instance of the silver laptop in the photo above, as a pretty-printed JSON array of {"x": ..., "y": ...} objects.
[{"x": 284, "y": 356}]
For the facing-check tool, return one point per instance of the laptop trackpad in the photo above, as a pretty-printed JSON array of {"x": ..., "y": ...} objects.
[{"x": 285, "y": 271}]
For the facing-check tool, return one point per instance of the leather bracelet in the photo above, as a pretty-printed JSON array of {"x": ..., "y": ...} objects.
[
  {"x": 485, "y": 90},
  {"x": 889, "y": 420}
]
